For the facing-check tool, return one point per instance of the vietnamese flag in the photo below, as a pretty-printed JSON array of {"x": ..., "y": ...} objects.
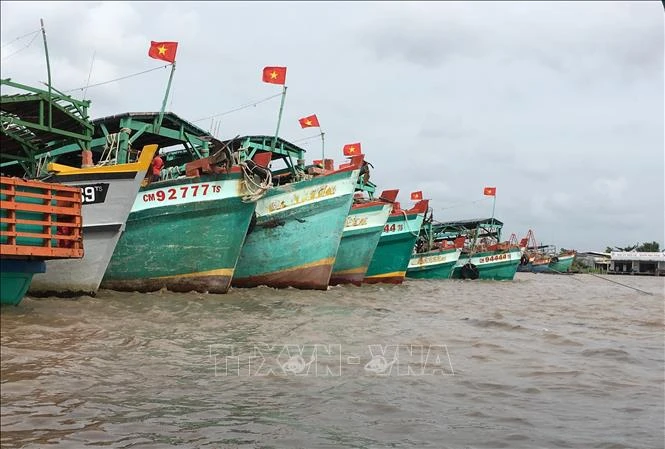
[
  {"x": 415, "y": 196},
  {"x": 163, "y": 50},
  {"x": 309, "y": 122},
  {"x": 274, "y": 75},
  {"x": 352, "y": 149},
  {"x": 489, "y": 191}
]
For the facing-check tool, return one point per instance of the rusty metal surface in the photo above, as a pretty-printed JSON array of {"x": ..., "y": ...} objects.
[
  {"x": 311, "y": 278},
  {"x": 385, "y": 280},
  {"x": 352, "y": 278},
  {"x": 201, "y": 284}
]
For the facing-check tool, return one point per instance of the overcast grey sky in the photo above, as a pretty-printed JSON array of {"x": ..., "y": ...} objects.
[{"x": 559, "y": 105}]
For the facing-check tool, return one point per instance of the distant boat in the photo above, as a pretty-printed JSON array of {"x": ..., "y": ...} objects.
[
  {"x": 433, "y": 259},
  {"x": 433, "y": 264},
  {"x": 484, "y": 255},
  {"x": 562, "y": 262},
  {"x": 535, "y": 258}
]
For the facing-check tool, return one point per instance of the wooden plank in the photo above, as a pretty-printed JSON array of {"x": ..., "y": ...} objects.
[
  {"x": 56, "y": 195},
  {"x": 51, "y": 253},
  {"x": 47, "y": 208},
  {"x": 28, "y": 207}
]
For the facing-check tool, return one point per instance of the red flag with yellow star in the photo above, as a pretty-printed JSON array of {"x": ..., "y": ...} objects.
[
  {"x": 351, "y": 149},
  {"x": 274, "y": 75},
  {"x": 489, "y": 191},
  {"x": 309, "y": 122},
  {"x": 163, "y": 50},
  {"x": 415, "y": 196}
]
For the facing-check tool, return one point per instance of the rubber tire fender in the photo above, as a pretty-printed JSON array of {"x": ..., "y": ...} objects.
[{"x": 469, "y": 271}]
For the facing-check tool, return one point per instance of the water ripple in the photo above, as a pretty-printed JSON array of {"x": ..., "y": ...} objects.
[{"x": 545, "y": 361}]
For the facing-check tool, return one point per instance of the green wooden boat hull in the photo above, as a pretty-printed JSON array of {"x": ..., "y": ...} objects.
[
  {"x": 491, "y": 265},
  {"x": 361, "y": 235},
  {"x": 563, "y": 264},
  {"x": 437, "y": 264},
  {"x": 15, "y": 278},
  {"x": 182, "y": 235},
  {"x": 393, "y": 252},
  {"x": 297, "y": 234}
]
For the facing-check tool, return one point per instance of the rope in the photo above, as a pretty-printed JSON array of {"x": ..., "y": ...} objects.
[
  {"x": 22, "y": 48},
  {"x": 256, "y": 190},
  {"x": 306, "y": 138},
  {"x": 170, "y": 173},
  {"x": 109, "y": 147},
  {"x": 624, "y": 285},
  {"x": 41, "y": 162},
  {"x": 117, "y": 79},
  {"x": 409, "y": 226},
  {"x": 21, "y": 37},
  {"x": 463, "y": 204},
  {"x": 254, "y": 103}
]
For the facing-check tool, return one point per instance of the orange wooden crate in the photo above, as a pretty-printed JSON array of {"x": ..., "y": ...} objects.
[{"x": 40, "y": 220}]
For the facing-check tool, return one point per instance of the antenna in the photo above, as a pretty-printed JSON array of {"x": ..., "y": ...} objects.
[{"x": 87, "y": 83}]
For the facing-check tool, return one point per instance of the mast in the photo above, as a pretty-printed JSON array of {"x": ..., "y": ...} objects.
[
  {"x": 166, "y": 97},
  {"x": 279, "y": 118},
  {"x": 48, "y": 72}
]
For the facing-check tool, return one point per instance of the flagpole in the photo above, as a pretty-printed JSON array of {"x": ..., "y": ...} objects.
[
  {"x": 166, "y": 97},
  {"x": 493, "y": 206},
  {"x": 323, "y": 149},
  {"x": 279, "y": 118}
]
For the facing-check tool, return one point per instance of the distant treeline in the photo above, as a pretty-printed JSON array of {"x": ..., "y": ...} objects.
[{"x": 644, "y": 247}]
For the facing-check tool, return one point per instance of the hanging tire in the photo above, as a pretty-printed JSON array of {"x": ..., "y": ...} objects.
[
  {"x": 524, "y": 260},
  {"x": 469, "y": 271},
  {"x": 554, "y": 259}
]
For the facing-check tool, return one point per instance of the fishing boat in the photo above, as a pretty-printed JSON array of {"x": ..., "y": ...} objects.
[
  {"x": 544, "y": 258},
  {"x": 393, "y": 252},
  {"x": 54, "y": 146},
  {"x": 187, "y": 226},
  {"x": 299, "y": 221},
  {"x": 484, "y": 255},
  {"x": 534, "y": 257},
  {"x": 561, "y": 262},
  {"x": 362, "y": 230},
  {"x": 38, "y": 222},
  {"x": 433, "y": 259}
]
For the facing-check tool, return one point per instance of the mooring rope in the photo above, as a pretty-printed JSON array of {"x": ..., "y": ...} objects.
[
  {"x": 624, "y": 285},
  {"x": 256, "y": 190}
]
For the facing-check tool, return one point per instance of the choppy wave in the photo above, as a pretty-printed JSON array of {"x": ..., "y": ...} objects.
[{"x": 545, "y": 361}]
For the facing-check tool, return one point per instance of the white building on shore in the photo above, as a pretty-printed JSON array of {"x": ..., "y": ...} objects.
[{"x": 634, "y": 262}]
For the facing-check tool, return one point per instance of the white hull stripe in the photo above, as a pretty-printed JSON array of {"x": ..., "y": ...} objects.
[
  {"x": 365, "y": 220},
  {"x": 315, "y": 194},
  {"x": 187, "y": 193}
]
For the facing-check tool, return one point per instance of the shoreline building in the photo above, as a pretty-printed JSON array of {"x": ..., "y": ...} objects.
[
  {"x": 634, "y": 262},
  {"x": 594, "y": 259}
]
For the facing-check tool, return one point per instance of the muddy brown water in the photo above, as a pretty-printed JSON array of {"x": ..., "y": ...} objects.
[{"x": 543, "y": 361}]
